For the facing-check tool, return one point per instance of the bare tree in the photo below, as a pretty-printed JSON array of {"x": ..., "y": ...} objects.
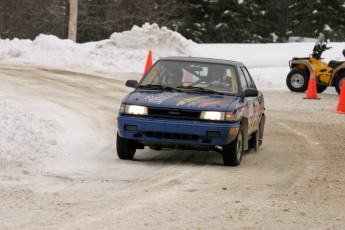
[
  {"x": 99, "y": 19},
  {"x": 27, "y": 18}
]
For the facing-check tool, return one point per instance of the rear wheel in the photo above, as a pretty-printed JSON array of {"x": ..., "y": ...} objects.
[
  {"x": 232, "y": 152},
  {"x": 339, "y": 83},
  {"x": 125, "y": 148},
  {"x": 297, "y": 80}
]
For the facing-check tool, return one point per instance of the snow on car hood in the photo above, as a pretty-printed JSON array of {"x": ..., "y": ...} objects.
[{"x": 180, "y": 100}]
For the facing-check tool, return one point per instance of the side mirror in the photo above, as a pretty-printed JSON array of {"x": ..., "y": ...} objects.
[
  {"x": 251, "y": 93},
  {"x": 132, "y": 83},
  {"x": 344, "y": 52}
]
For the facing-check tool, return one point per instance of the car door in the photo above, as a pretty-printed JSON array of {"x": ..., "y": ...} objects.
[{"x": 253, "y": 103}]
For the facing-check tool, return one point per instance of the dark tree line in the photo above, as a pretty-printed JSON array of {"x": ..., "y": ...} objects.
[
  {"x": 27, "y": 18},
  {"x": 204, "y": 21},
  {"x": 98, "y": 19},
  {"x": 262, "y": 20}
]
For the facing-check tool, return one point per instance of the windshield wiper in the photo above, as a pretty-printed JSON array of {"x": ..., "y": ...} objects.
[
  {"x": 200, "y": 89},
  {"x": 164, "y": 87}
]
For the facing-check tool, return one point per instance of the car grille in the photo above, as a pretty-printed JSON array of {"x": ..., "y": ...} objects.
[
  {"x": 174, "y": 136},
  {"x": 173, "y": 113}
]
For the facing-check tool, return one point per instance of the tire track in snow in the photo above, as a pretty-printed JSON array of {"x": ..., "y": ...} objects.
[{"x": 312, "y": 158}]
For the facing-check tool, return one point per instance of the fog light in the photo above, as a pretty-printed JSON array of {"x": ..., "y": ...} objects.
[
  {"x": 212, "y": 133},
  {"x": 233, "y": 131},
  {"x": 131, "y": 127}
]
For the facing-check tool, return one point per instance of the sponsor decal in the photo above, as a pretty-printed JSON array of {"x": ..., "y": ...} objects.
[
  {"x": 239, "y": 115},
  {"x": 244, "y": 111},
  {"x": 159, "y": 98},
  {"x": 200, "y": 102},
  {"x": 188, "y": 100},
  {"x": 207, "y": 103},
  {"x": 257, "y": 116}
]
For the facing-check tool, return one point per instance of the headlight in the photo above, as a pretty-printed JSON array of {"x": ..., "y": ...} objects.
[
  {"x": 212, "y": 115},
  {"x": 218, "y": 116},
  {"x": 134, "y": 109}
]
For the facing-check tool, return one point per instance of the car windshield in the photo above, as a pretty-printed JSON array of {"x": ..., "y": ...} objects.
[{"x": 192, "y": 77}]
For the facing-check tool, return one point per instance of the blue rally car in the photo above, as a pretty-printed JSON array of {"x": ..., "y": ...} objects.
[{"x": 192, "y": 103}]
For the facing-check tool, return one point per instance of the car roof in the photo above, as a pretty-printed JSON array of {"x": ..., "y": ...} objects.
[{"x": 201, "y": 59}]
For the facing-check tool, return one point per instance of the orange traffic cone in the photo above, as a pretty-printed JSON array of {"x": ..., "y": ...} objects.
[
  {"x": 148, "y": 62},
  {"x": 341, "y": 104},
  {"x": 312, "y": 92}
]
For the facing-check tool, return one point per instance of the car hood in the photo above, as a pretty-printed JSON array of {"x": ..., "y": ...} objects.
[{"x": 180, "y": 100}]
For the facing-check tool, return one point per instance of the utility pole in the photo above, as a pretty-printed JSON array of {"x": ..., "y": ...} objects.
[{"x": 73, "y": 17}]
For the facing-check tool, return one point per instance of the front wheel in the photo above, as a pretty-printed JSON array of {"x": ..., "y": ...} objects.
[
  {"x": 232, "y": 152},
  {"x": 125, "y": 148},
  {"x": 297, "y": 80},
  {"x": 339, "y": 83}
]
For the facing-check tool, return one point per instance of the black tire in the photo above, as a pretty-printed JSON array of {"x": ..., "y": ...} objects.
[
  {"x": 339, "y": 83},
  {"x": 125, "y": 148},
  {"x": 232, "y": 152},
  {"x": 297, "y": 80},
  {"x": 321, "y": 88}
]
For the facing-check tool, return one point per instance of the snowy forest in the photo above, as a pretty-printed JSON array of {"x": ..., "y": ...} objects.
[{"x": 203, "y": 21}]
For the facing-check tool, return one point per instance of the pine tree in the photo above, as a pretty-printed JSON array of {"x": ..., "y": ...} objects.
[
  {"x": 229, "y": 22},
  {"x": 322, "y": 16},
  {"x": 196, "y": 20}
]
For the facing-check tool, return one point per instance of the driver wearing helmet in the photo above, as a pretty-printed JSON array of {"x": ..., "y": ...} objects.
[
  {"x": 174, "y": 80},
  {"x": 174, "y": 76},
  {"x": 215, "y": 78}
]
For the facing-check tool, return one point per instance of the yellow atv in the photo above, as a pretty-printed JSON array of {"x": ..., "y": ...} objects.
[{"x": 331, "y": 74}]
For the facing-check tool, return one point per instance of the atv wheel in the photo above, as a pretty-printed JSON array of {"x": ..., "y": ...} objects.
[
  {"x": 339, "y": 83},
  {"x": 321, "y": 88},
  {"x": 232, "y": 152},
  {"x": 125, "y": 148},
  {"x": 297, "y": 80}
]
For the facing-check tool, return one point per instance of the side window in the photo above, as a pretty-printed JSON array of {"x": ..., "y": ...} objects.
[
  {"x": 249, "y": 79},
  {"x": 242, "y": 79}
]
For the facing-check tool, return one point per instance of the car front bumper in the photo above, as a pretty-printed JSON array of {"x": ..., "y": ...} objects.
[{"x": 161, "y": 130}]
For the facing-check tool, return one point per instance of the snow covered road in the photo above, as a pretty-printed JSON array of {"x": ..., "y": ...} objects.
[{"x": 59, "y": 169}]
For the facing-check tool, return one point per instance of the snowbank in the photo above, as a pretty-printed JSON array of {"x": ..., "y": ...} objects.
[
  {"x": 122, "y": 52},
  {"x": 127, "y": 51},
  {"x": 151, "y": 37},
  {"x": 24, "y": 139}
]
